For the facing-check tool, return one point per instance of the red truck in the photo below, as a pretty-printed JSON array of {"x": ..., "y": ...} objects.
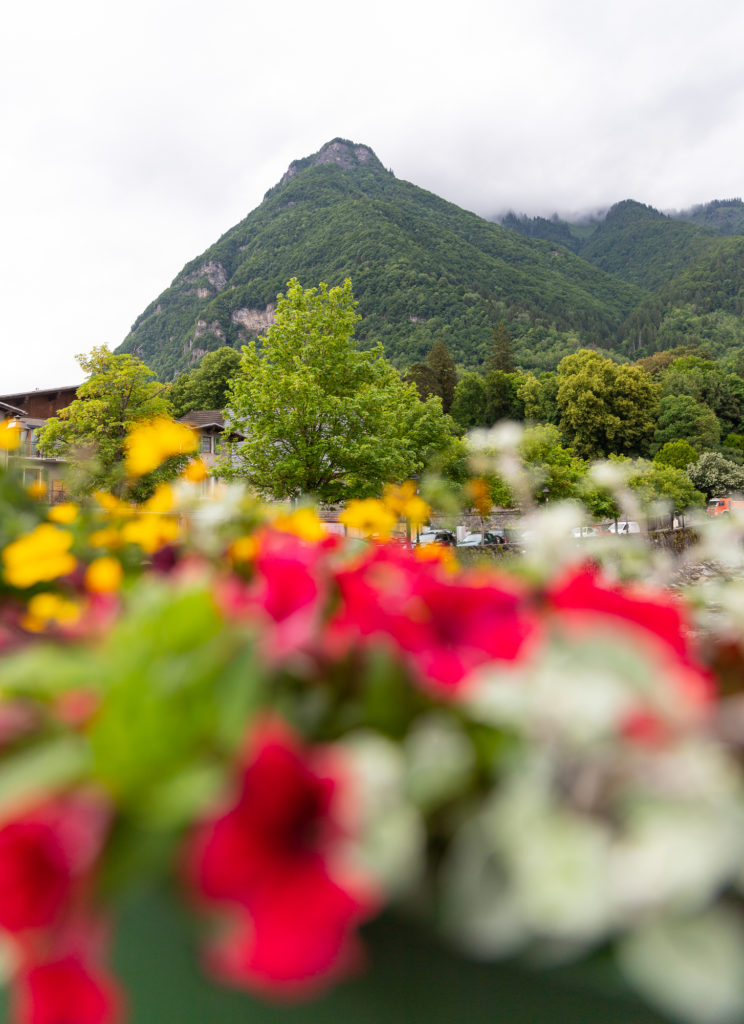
[{"x": 717, "y": 506}]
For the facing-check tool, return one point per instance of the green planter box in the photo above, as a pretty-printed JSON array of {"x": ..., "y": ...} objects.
[{"x": 409, "y": 980}]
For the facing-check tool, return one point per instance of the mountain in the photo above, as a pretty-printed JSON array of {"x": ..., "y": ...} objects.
[
  {"x": 645, "y": 247},
  {"x": 635, "y": 242},
  {"x": 421, "y": 268},
  {"x": 726, "y": 216}
]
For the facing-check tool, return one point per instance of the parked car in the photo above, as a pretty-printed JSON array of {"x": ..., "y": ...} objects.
[
  {"x": 586, "y": 531},
  {"x": 493, "y": 538},
  {"x": 443, "y": 537}
]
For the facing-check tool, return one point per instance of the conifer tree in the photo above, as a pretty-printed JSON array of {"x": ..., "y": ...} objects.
[
  {"x": 442, "y": 365},
  {"x": 501, "y": 356}
]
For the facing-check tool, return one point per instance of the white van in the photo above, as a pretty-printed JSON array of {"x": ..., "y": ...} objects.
[{"x": 625, "y": 526}]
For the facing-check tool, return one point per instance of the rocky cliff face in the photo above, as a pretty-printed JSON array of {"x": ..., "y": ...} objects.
[{"x": 341, "y": 152}]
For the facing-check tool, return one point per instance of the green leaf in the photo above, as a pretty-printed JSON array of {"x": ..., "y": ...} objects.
[{"x": 35, "y": 773}]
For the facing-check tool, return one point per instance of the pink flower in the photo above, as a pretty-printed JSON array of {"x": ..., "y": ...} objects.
[{"x": 274, "y": 863}]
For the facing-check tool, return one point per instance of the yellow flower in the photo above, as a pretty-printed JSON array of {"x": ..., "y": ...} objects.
[
  {"x": 150, "y": 444},
  {"x": 303, "y": 523},
  {"x": 404, "y": 503},
  {"x": 369, "y": 516},
  {"x": 244, "y": 549},
  {"x": 44, "y": 609},
  {"x": 195, "y": 472},
  {"x": 103, "y": 575},
  {"x": 151, "y": 532},
  {"x": 10, "y": 435},
  {"x": 108, "y": 537},
  {"x": 37, "y": 489},
  {"x": 63, "y": 514},
  {"x": 43, "y": 554},
  {"x": 160, "y": 502},
  {"x": 112, "y": 505}
]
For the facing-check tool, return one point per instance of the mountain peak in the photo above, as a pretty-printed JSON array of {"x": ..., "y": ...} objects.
[{"x": 342, "y": 152}]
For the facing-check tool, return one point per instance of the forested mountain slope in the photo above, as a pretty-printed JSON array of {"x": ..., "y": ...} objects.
[{"x": 421, "y": 268}]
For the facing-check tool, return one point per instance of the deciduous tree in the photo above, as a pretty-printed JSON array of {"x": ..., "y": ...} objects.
[
  {"x": 681, "y": 417},
  {"x": 321, "y": 416},
  {"x": 470, "y": 401},
  {"x": 205, "y": 387},
  {"x": 605, "y": 408},
  {"x": 89, "y": 434},
  {"x": 713, "y": 474}
]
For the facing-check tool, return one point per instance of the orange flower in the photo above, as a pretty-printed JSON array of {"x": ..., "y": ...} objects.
[{"x": 479, "y": 492}]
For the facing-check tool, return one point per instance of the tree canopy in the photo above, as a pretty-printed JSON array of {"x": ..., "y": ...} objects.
[
  {"x": 90, "y": 432},
  {"x": 318, "y": 415},
  {"x": 205, "y": 387},
  {"x": 605, "y": 407}
]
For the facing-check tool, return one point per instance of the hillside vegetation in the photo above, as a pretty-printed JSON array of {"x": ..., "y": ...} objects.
[
  {"x": 422, "y": 268},
  {"x": 629, "y": 284}
]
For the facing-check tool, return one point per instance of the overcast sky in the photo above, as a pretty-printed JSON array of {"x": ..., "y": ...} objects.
[{"x": 135, "y": 134}]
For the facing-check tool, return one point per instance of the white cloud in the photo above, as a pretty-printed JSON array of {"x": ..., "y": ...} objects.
[{"x": 134, "y": 136}]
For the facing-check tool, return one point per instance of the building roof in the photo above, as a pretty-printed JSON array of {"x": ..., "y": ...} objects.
[
  {"x": 6, "y": 407},
  {"x": 204, "y": 418},
  {"x": 39, "y": 391}
]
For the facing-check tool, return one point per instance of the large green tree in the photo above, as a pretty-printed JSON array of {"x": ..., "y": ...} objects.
[
  {"x": 605, "y": 408},
  {"x": 90, "y": 432},
  {"x": 681, "y": 417},
  {"x": 502, "y": 397},
  {"x": 679, "y": 454},
  {"x": 470, "y": 401},
  {"x": 319, "y": 415},
  {"x": 707, "y": 383},
  {"x": 205, "y": 387},
  {"x": 539, "y": 397}
]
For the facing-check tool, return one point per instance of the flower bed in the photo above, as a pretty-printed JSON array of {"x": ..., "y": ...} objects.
[{"x": 297, "y": 732}]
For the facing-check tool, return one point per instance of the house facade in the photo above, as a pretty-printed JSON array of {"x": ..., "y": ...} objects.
[{"x": 34, "y": 467}]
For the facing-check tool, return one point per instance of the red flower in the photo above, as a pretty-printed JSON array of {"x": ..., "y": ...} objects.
[
  {"x": 35, "y": 877},
  {"x": 284, "y": 596},
  {"x": 447, "y": 627},
  {"x": 274, "y": 861},
  {"x": 43, "y": 853},
  {"x": 650, "y": 619},
  {"x": 65, "y": 991}
]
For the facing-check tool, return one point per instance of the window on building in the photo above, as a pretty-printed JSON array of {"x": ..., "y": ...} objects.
[{"x": 205, "y": 443}]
